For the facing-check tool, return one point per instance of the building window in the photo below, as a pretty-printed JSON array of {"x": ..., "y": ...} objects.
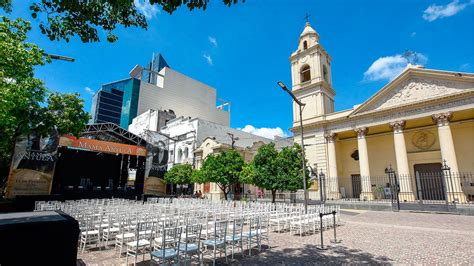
[
  {"x": 180, "y": 154},
  {"x": 325, "y": 74},
  {"x": 305, "y": 45},
  {"x": 186, "y": 152},
  {"x": 305, "y": 73}
]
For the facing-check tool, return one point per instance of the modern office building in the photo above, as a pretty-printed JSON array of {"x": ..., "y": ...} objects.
[
  {"x": 116, "y": 102},
  {"x": 157, "y": 87},
  {"x": 157, "y": 63}
]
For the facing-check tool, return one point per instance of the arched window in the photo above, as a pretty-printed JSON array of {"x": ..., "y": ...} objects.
[
  {"x": 180, "y": 154},
  {"x": 305, "y": 73},
  {"x": 325, "y": 74},
  {"x": 305, "y": 45},
  {"x": 186, "y": 153}
]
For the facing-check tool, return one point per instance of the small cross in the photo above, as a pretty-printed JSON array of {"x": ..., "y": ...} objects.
[{"x": 306, "y": 17}]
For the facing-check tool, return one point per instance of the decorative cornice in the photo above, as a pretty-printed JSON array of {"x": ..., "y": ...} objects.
[
  {"x": 429, "y": 106},
  {"x": 442, "y": 119},
  {"x": 361, "y": 132},
  {"x": 397, "y": 126},
  {"x": 330, "y": 137}
]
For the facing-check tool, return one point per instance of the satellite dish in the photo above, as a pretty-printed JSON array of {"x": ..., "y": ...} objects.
[{"x": 136, "y": 71}]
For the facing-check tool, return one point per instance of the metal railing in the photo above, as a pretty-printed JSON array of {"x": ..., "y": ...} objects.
[{"x": 429, "y": 187}]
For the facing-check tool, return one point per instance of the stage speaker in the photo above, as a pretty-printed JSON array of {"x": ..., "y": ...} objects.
[{"x": 38, "y": 238}]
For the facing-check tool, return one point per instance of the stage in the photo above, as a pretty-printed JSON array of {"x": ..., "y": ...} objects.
[{"x": 80, "y": 172}]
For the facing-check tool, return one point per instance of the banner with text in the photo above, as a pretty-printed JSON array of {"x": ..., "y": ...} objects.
[
  {"x": 102, "y": 146},
  {"x": 31, "y": 171}
]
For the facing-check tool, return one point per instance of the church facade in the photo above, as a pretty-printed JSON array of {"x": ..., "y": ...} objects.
[{"x": 420, "y": 122}]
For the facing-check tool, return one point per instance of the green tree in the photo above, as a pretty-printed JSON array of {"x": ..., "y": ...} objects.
[
  {"x": 25, "y": 103},
  {"x": 61, "y": 20},
  {"x": 278, "y": 170},
  {"x": 223, "y": 169},
  {"x": 247, "y": 175},
  {"x": 266, "y": 169},
  {"x": 179, "y": 174},
  {"x": 289, "y": 168}
]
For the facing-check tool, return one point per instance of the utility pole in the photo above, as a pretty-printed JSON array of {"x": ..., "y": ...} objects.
[{"x": 234, "y": 139}]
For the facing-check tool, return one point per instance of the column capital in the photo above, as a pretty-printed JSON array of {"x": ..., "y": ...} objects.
[
  {"x": 397, "y": 126},
  {"x": 442, "y": 119},
  {"x": 361, "y": 132},
  {"x": 330, "y": 137}
]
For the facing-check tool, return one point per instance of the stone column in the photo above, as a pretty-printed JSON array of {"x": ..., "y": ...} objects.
[
  {"x": 332, "y": 167},
  {"x": 448, "y": 155},
  {"x": 366, "y": 193},
  {"x": 403, "y": 170}
]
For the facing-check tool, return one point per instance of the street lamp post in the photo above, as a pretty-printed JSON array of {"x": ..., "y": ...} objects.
[
  {"x": 301, "y": 106},
  {"x": 59, "y": 57}
]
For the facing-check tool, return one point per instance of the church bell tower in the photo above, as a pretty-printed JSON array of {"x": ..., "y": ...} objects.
[{"x": 311, "y": 76}]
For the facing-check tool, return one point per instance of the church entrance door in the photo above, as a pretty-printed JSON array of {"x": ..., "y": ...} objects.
[
  {"x": 356, "y": 186},
  {"x": 430, "y": 181}
]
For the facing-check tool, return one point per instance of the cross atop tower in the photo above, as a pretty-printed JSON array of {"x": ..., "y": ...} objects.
[{"x": 306, "y": 17}]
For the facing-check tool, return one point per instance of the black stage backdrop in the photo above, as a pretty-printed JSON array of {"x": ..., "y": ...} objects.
[{"x": 99, "y": 168}]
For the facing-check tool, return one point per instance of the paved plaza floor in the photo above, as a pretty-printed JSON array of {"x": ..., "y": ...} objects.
[{"x": 367, "y": 237}]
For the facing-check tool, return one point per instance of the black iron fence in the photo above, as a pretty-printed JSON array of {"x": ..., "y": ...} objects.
[{"x": 429, "y": 187}]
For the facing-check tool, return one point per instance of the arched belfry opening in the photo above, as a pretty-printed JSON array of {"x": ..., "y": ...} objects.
[{"x": 305, "y": 73}]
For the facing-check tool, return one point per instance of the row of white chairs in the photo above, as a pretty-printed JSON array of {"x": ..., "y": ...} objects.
[{"x": 138, "y": 228}]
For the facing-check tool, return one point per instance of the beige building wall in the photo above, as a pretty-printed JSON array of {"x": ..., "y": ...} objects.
[
  {"x": 463, "y": 136},
  {"x": 381, "y": 150}
]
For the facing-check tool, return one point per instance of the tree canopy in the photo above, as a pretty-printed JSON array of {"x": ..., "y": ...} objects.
[
  {"x": 278, "y": 170},
  {"x": 223, "y": 169},
  {"x": 25, "y": 103},
  {"x": 179, "y": 174},
  {"x": 61, "y": 20},
  {"x": 247, "y": 175}
]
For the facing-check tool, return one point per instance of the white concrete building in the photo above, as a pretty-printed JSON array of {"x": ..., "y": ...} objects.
[
  {"x": 184, "y": 96},
  {"x": 151, "y": 120},
  {"x": 186, "y": 134}
]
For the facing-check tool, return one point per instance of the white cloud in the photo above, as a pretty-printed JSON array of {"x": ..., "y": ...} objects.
[
  {"x": 266, "y": 132},
  {"x": 147, "y": 9},
  {"x": 389, "y": 67},
  {"x": 213, "y": 40},
  {"x": 434, "y": 12},
  {"x": 89, "y": 90},
  {"x": 208, "y": 59}
]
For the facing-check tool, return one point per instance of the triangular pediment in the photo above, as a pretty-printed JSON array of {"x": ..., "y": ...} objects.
[{"x": 417, "y": 86}]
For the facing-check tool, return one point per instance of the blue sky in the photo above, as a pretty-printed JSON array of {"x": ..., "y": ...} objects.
[{"x": 243, "y": 50}]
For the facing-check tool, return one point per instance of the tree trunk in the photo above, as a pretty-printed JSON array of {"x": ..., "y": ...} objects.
[
  {"x": 224, "y": 189},
  {"x": 225, "y": 194},
  {"x": 273, "y": 195}
]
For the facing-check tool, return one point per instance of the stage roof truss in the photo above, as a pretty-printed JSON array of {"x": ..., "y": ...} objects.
[{"x": 111, "y": 132}]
